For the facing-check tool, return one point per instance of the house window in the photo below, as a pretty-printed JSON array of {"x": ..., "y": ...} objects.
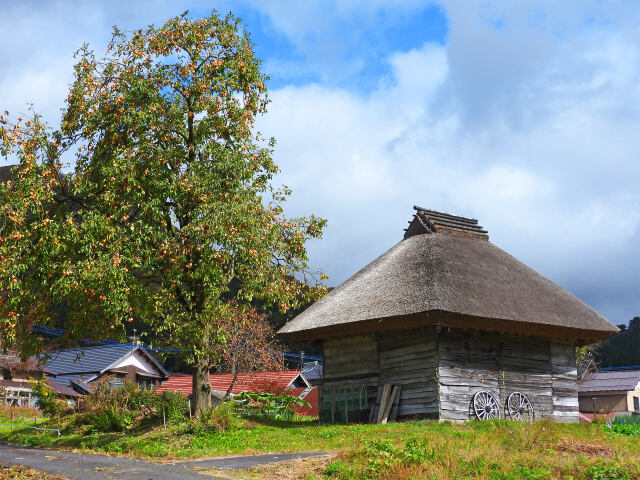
[
  {"x": 636, "y": 404},
  {"x": 117, "y": 380},
  {"x": 144, "y": 382}
]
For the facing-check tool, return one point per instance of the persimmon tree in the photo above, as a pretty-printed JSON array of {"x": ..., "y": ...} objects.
[{"x": 153, "y": 198}]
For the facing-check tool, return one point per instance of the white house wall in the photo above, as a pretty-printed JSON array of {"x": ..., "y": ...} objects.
[{"x": 138, "y": 360}]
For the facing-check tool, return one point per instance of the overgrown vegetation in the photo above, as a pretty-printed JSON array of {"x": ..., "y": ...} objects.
[
  {"x": 267, "y": 404},
  {"x": 140, "y": 422},
  {"x": 498, "y": 450},
  {"x": 626, "y": 426},
  {"x": 47, "y": 400}
]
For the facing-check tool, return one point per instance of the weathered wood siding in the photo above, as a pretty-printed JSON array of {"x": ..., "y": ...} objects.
[
  {"x": 564, "y": 382},
  {"x": 526, "y": 363},
  {"x": 352, "y": 361},
  {"x": 502, "y": 364},
  {"x": 468, "y": 363},
  {"x": 409, "y": 359},
  {"x": 440, "y": 371}
]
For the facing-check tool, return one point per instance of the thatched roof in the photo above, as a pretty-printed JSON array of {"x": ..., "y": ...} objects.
[{"x": 446, "y": 272}]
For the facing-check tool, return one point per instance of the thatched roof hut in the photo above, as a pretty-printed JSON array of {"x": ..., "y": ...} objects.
[
  {"x": 446, "y": 272},
  {"x": 444, "y": 314}
]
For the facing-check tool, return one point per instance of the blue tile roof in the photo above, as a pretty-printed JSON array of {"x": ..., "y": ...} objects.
[
  {"x": 66, "y": 379},
  {"x": 86, "y": 359}
]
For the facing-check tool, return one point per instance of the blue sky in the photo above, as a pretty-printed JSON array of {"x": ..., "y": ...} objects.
[{"x": 525, "y": 115}]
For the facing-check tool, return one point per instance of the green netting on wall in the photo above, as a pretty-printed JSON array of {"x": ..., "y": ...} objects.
[{"x": 343, "y": 404}]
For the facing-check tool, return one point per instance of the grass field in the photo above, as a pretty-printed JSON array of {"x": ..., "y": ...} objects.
[{"x": 497, "y": 450}]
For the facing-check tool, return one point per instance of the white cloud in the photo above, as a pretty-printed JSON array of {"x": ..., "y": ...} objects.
[
  {"x": 527, "y": 119},
  {"x": 531, "y": 131}
]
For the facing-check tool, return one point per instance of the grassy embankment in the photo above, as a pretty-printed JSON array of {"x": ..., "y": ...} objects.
[{"x": 422, "y": 449}]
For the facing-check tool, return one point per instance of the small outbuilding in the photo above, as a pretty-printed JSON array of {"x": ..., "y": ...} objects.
[
  {"x": 15, "y": 384},
  {"x": 612, "y": 391},
  {"x": 446, "y": 325}
]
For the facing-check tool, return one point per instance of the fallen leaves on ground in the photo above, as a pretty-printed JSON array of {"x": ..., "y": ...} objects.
[
  {"x": 298, "y": 469},
  {"x": 18, "y": 472}
]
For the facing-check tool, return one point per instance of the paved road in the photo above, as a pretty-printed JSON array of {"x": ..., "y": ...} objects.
[{"x": 80, "y": 466}]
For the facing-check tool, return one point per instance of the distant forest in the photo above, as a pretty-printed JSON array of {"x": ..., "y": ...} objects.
[{"x": 621, "y": 349}]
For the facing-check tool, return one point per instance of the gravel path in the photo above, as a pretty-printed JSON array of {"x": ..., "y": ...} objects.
[{"x": 82, "y": 466}]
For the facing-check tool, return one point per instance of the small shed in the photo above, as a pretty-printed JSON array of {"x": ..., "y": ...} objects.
[
  {"x": 16, "y": 377},
  {"x": 614, "y": 390},
  {"x": 457, "y": 326}
]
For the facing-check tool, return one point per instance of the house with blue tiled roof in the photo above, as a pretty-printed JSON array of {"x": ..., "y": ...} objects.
[{"x": 79, "y": 368}]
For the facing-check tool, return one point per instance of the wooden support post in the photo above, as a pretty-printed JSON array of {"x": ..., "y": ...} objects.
[
  {"x": 396, "y": 404},
  {"x": 383, "y": 402},
  {"x": 389, "y": 403}
]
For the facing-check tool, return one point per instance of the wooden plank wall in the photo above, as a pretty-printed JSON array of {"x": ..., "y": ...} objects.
[
  {"x": 439, "y": 373},
  {"x": 564, "y": 382},
  {"x": 526, "y": 363},
  {"x": 468, "y": 363},
  {"x": 352, "y": 361},
  {"x": 501, "y": 364},
  {"x": 409, "y": 358}
]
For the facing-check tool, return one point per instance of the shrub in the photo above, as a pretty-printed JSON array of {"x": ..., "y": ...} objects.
[
  {"x": 606, "y": 472},
  {"x": 278, "y": 407},
  {"x": 625, "y": 429},
  {"x": 142, "y": 397},
  {"x": 218, "y": 419},
  {"x": 105, "y": 395},
  {"x": 110, "y": 419},
  {"x": 47, "y": 400},
  {"x": 380, "y": 453},
  {"x": 417, "y": 450},
  {"x": 176, "y": 407}
]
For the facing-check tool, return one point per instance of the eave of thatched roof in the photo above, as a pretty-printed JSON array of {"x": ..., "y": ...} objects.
[{"x": 445, "y": 278}]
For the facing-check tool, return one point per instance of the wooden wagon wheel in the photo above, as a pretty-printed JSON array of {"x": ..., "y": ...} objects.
[
  {"x": 485, "y": 406},
  {"x": 518, "y": 407}
]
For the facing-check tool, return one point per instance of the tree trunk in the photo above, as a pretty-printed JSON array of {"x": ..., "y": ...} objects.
[{"x": 201, "y": 390}]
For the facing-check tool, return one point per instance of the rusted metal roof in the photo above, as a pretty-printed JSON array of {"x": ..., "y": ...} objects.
[{"x": 617, "y": 381}]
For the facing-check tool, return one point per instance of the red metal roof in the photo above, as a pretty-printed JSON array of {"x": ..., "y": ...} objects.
[{"x": 247, "y": 382}]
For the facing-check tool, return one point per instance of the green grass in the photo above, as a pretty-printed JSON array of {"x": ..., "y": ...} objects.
[{"x": 498, "y": 450}]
